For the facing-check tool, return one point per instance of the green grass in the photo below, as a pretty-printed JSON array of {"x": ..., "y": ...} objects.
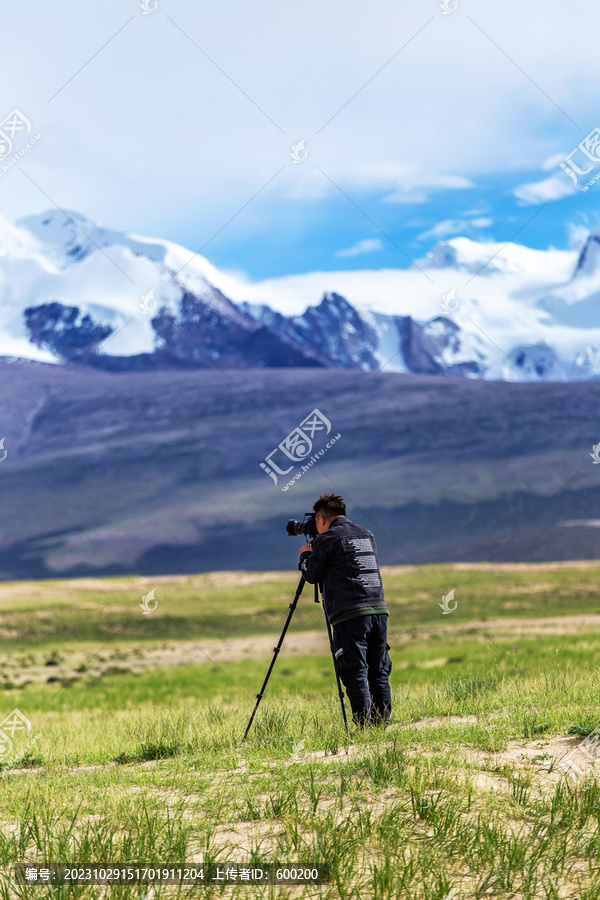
[
  {"x": 462, "y": 792},
  {"x": 193, "y": 606}
]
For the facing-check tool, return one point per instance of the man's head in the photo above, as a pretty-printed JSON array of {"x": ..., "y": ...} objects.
[{"x": 327, "y": 508}]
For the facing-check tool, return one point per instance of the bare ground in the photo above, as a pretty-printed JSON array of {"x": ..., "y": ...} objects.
[{"x": 137, "y": 657}]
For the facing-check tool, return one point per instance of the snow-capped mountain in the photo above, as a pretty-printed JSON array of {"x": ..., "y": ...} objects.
[
  {"x": 106, "y": 274},
  {"x": 69, "y": 287}
]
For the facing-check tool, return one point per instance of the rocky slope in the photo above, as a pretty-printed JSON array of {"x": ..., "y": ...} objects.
[
  {"x": 157, "y": 472},
  {"x": 490, "y": 311}
]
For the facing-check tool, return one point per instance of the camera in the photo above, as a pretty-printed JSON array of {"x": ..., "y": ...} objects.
[{"x": 307, "y": 526}]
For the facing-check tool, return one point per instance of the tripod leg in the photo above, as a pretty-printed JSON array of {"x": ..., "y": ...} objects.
[
  {"x": 337, "y": 677},
  {"x": 276, "y": 650}
]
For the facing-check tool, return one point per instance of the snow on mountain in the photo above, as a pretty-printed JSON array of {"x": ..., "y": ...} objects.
[
  {"x": 510, "y": 313},
  {"x": 342, "y": 337},
  {"x": 66, "y": 257},
  {"x": 69, "y": 238},
  {"x": 511, "y": 304},
  {"x": 589, "y": 258}
]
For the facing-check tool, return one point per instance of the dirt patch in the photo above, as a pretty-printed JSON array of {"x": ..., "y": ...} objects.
[
  {"x": 344, "y": 753},
  {"x": 397, "y": 570},
  {"x": 546, "y": 761},
  {"x": 96, "y": 584},
  {"x": 7, "y": 590},
  {"x": 244, "y": 837},
  {"x": 533, "y": 587},
  {"x": 513, "y": 627},
  {"x": 577, "y": 621},
  {"x": 485, "y": 782},
  {"x": 427, "y": 721},
  {"x": 226, "y": 579},
  {"x": 51, "y": 590},
  {"x": 528, "y": 567},
  {"x": 556, "y": 747},
  {"x": 114, "y": 608},
  {"x": 138, "y": 658}
]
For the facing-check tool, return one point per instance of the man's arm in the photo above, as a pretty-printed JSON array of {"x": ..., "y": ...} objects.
[{"x": 313, "y": 562}]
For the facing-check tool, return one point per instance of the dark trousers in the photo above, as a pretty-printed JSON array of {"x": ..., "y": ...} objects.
[{"x": 364, "y": 665}]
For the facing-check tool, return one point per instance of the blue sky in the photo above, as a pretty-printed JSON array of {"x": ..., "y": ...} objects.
[
  {"x": 418, "y": 125},
  {"x": 333, "y": 235}
]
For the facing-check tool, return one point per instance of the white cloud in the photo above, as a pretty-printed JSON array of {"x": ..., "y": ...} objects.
[
  {"x": 243, "y": 83},
  {"x": 577, "y": 235},
  {"x": 553, "y": 188},
  {"x": 454, "y": 227},
  {"x": 400, "y": 182},
  {"x": 368, "y": 245},
  {"x": 553, "y": 161},
  {"x": 417, "y": 189},
  {"x": 518, "y": 271},
  {"x": 477, "y": 211}
]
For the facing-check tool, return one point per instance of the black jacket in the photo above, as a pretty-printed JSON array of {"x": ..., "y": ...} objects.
[{"x": 344, "y": 559}]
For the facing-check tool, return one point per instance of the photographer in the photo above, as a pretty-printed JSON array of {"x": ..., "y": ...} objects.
[{"x": 344, "y": 558}]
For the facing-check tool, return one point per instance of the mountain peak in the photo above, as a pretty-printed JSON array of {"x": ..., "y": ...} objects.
[
  {"x": 442, "y": 255},
  {"x": 589, "y": 258},
  {"x": 336, "y": 300},
  {"x": 67, "y": 234},
  {"x": 528, "y": 301}
]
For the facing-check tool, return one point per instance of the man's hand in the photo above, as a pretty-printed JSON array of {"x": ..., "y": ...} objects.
[{"x": 305, "y": 547}]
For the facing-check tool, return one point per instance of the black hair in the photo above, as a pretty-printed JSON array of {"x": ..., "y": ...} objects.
[{"x": 330, "y": 506}]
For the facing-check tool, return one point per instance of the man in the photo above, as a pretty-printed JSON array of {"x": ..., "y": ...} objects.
[{"x": 343, "y": 557}]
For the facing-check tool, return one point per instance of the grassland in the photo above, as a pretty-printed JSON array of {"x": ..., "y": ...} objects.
[{"x": 135, "y": 751}]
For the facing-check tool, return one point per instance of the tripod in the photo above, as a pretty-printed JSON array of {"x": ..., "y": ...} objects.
[{"x": 276, "y": 650}]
